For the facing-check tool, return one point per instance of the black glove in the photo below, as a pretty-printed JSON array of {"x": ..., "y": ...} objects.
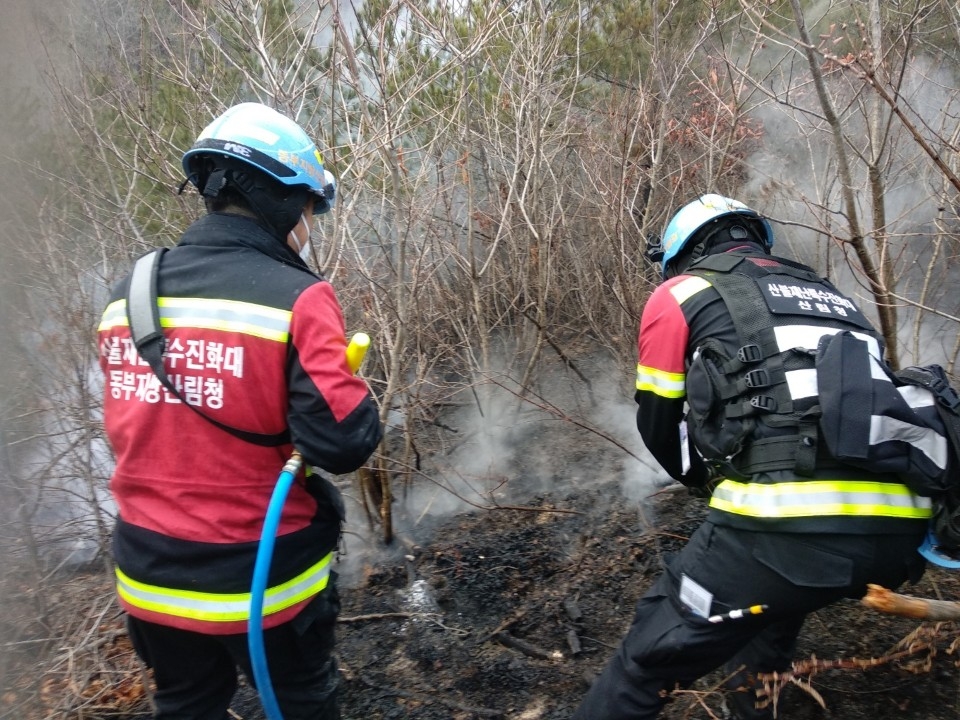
[
  {"x": 704, "y": 492},
  {"x": 702, "y": 482}
]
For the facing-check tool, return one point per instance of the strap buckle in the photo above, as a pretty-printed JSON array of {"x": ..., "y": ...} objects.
[
  {"x": 763, "y": 403},
  {"x": 947, "y": 396},
  {"x": 654, "y": 249},
  {"x": 758, "y": 378},
  {"x": 750, "y": 354},
  {"x": 940, "y": 387}
]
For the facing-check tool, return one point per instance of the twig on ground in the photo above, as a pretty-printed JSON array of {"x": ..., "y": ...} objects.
[
  {"x": 514, "y": 617},
  {"x": 923, "y": 640},
  {"x": 377, "y": 616},
  {"x": 429, "y": 617},
  {"x": 527, "y": 648}
]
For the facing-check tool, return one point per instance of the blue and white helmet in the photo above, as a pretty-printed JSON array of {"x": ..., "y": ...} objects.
[
  {"x": 270, "y": 142},
  {"x": 695, "y": 215}
]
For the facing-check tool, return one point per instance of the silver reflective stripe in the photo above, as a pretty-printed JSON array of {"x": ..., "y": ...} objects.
[
  {"x": 807, "y": 336},
  {"x": 876, "y": 370},
  {"x": 886, "y": 429},
  {"x": 114, "y": 315},
  {"x": 802, "y": 383},
  {"x": 916, "y": 396},
  {"x": 687, "y": 288},
  {"x": 659, "y": 382},
  {"x": 229, "y": 315}
]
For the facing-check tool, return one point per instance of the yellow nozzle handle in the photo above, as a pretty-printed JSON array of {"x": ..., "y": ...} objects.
[{"x": 357, "y": 350}]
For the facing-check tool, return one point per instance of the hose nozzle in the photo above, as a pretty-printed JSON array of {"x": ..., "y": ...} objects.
[{"x": 357, "y": 350}]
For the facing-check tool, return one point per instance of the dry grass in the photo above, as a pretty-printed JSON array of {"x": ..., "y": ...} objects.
[{"x": 80, "y": 664}]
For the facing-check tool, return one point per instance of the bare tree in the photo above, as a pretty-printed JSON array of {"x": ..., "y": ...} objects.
[
  {"x": 865, "y": 72},
  {"x": 497, "y": 184},
  {"x": 500, "y": 167}
]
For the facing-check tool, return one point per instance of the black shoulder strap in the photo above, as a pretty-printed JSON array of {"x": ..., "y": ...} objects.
[
  {"x": 143, "y": 315},
  {"x": 757, "y": 267}
]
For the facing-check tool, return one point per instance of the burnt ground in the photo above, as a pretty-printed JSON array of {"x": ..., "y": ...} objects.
[
  {"x": 526, "y": 606},
  {"x": 507, "y": 613},
  {"x": 503, "y": 613}
]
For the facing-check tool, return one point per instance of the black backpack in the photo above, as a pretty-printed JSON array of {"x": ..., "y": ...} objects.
[
  {"x": 946, "y": 518},
  {"x": 905, "y": 423}
]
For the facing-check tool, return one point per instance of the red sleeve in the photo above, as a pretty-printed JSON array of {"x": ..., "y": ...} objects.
[
  {"x": 662, "y": 343},
  {"x": 318, "y": 336},
  {"x": 333, "y": 419},
  {"x": 661, "y": 375}
]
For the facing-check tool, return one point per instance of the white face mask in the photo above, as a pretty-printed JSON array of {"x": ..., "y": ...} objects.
[
  {"x": 304, "y": 247},
  {"x": 305, "y": 251}
]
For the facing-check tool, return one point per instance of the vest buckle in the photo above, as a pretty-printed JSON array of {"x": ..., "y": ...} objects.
[
  {"x": 750, "y": 354},
  {"x": 758, "y": 378},
  {"x": 764, "y": 403}
]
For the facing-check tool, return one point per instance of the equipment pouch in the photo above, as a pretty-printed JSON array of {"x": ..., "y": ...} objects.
[{"x": 717, "y": 436}]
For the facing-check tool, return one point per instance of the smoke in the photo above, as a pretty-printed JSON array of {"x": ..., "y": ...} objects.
[
  {"x": 18, "y": 77},
  {"x": 574, "y": 433},
  {"x": 30, "y": 34},
  {"x": 24, "y": 105},
  {"x": 575, "y": 429},
  {"x": 793, "y": 179}
]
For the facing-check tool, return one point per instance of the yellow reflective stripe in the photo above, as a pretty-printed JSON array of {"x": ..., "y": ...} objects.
[
  {"x": 687, "y": 288},
  {"x": 223, "y": 607},
  {"x": 227, "y": 315},
  {"x": 812, "y": 498},
  {"x": 665, "y": 384},
  {"x": 114, "y": 315}
]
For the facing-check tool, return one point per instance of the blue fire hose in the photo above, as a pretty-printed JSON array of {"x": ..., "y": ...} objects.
[
  {"x": 261, "y": 573},
  {"x": 356, "y": 351}
]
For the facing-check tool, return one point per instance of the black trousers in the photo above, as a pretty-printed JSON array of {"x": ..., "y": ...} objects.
[
  {"x": 196, "y": 674},
  {"x": 667, "y": 645}
]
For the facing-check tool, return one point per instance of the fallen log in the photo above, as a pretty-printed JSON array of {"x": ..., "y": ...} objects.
[{"x": 886, "y": 601}]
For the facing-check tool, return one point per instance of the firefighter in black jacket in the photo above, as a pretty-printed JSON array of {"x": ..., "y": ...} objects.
[
  {"x": 254, "y": 341},
  {"x": 727, "y": 390}
]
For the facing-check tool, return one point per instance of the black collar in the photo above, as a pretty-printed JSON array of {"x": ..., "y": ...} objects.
[{"x": 221, "y": 229}]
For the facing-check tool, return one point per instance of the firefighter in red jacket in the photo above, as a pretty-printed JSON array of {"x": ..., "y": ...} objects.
[
  {"x": 727, "y": 397},
  {"x": 254, "y": 346}
]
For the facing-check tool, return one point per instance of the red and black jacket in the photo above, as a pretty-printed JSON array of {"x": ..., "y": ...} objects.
[{"x": 256, "y": 341}]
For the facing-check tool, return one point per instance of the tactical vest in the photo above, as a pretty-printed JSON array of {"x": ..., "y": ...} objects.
[{"x": 755, "y": 408}]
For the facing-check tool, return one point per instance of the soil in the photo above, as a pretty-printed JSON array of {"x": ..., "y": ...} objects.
[
  {"x": 509, "y": 612},
  {"x": 526, "y": 607}
]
